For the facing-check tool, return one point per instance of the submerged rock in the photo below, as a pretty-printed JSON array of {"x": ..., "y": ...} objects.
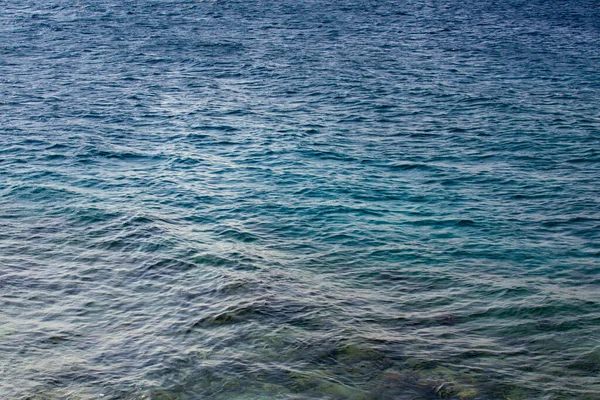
[
  {"x": 339, "y": 391},
  {"x": 161, "y": 394},
  {"x": 445, "y": 389},
  {"x": 467, "y": 393}
]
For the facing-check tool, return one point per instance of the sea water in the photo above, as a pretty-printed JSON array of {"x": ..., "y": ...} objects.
[{"x": 299, "y": 199}]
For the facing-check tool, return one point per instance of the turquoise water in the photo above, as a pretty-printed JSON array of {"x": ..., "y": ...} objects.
[{"x": 299, "y": 199}]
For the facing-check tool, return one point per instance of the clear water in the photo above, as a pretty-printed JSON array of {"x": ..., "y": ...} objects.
[{"x": 299, "y": 199}]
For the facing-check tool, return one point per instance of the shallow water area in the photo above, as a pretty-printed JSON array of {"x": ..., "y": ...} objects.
[{"x": 299, "y": 200}]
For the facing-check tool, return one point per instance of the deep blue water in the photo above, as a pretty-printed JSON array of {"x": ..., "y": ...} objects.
[{"x": 299, "y": 199}]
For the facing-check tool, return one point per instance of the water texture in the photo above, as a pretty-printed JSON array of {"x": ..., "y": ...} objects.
[{"x": 299, "y": 199}]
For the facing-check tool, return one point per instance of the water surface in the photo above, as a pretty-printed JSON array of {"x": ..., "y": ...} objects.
[{"x": 299, "y": 199}]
